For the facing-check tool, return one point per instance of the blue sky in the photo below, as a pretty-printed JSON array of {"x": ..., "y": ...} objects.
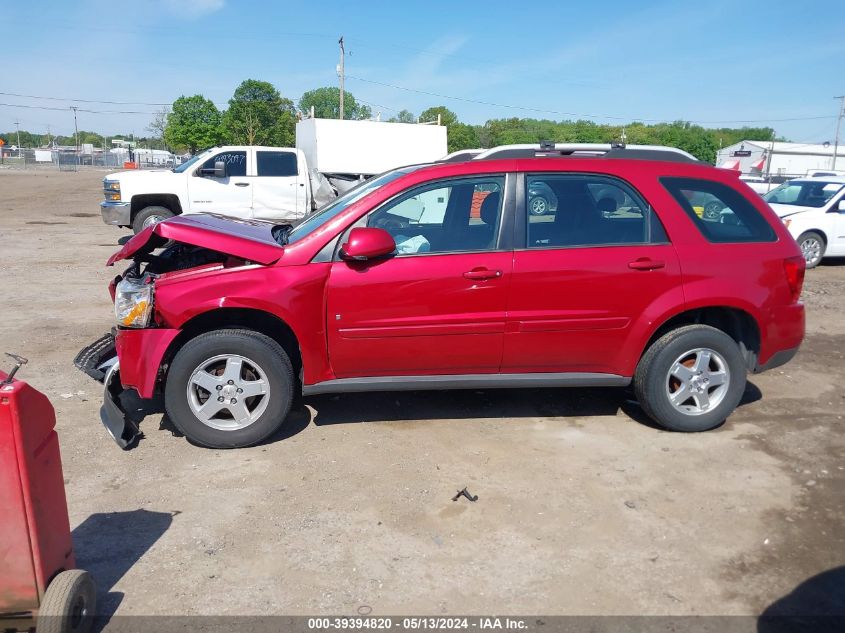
[{"x": 612, "y": 61}]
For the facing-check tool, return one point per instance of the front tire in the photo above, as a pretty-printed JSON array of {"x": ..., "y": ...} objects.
[
  {"x": 229, "y": 388},
  {"x": 691, "y": 379},
  {"x": 150, "y": 216},
  {"x": 812, "y": 248}
]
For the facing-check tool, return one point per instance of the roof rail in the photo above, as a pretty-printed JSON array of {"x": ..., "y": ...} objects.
[
  {"x": 584, "y": 150},
  {"x": 461, "y": 155}
]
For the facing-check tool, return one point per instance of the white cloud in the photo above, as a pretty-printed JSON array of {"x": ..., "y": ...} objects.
[{"x": 193, "y": 8}]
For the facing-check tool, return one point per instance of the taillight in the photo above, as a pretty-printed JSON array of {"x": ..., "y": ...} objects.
[{"x": 794, "y": 268}]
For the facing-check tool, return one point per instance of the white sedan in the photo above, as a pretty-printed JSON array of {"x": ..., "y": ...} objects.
[{"x": 813, "y": 209}]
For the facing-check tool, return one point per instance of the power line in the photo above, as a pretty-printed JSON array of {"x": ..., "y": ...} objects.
[
  {"x": 64, "y": 109},
  {"x": 575, "y": 114},
  {"x": 13, "y": 94}
]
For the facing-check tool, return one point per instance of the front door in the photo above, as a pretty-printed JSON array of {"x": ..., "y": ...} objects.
[
  {"x": 438, "y": 305},
  {"x": 589, "y": 272},
  {"x": 275, "y": 188},
  {"x": 231, "y": 195},
  {"x": 837, "y": 237}
]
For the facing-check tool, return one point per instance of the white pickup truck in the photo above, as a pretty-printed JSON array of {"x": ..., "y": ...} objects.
[
  {"x": 242, "y": 181},
  {"x": 273, "y": 183}
]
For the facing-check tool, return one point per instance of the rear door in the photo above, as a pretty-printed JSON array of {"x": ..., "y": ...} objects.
[
  {"x": 275, "y": 187},
  {"x": 230, "y": 195},
  {"x": 438, "y": 305},
  {"x": 586, "y": 273}
]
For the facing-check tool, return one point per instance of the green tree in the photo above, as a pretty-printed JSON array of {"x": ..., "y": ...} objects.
[
  {"x": 403, "y": 116},
  {"x": 259, "y": 115},
  {"x": 193, "y": 124},
  {"x": 462, "y": 136},
  {"x": 447, "y": 117},
  {"x": 326, "y": 104}
]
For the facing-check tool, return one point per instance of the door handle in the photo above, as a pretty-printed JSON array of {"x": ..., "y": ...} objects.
[
  {"x": 482, "y": 273},
  {"x": 644, "y": 263},
  {"x": 242, "y": 184}
]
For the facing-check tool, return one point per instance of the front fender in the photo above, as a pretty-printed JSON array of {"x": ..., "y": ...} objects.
[{"x": 140, "y": 353}]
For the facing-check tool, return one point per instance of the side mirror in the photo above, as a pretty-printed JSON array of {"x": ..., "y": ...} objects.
[
  {"x": 218, "y": 171},
  {"x": 841, "y": 205},
  {"x": 366, "y": 243}
]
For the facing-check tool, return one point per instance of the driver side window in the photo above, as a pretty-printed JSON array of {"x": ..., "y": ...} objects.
[{"x": 444, "y": 217}]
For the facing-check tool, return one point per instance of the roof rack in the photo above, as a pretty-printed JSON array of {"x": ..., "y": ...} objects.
[
  {"x": 461, "y": 155},
  {"x": 547, "y": 149}
]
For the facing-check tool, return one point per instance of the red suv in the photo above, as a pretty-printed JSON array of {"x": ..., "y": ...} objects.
[{"x": 439, "y": 276}]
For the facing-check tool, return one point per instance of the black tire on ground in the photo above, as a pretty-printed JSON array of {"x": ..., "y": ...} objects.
[
  {"x": 256, "y": 348},
  {"x": 148, "y": 216},
  {"x": 812, "y": 247},
  {"x": 652, "y": 378},
  {"x": 69, "y": 604}
]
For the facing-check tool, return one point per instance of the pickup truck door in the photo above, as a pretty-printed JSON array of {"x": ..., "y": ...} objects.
[
  {"x": 277, "y": 185},
  {"x": 231, "y": 195}
]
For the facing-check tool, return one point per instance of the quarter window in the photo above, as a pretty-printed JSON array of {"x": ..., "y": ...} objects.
[
  {"x": 567, "y": 210},
  {"x": 722, "y": 214},
  {"x": 276, "y": 163},
  {"x": 444, "y": 217},
  {"x": 235, "y": 163}
]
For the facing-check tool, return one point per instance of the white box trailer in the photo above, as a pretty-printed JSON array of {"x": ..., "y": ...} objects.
[{"x": 334, "y": 146}]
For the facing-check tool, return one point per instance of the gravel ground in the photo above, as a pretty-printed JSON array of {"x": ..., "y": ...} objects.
[{"x": 584, "y": 507}]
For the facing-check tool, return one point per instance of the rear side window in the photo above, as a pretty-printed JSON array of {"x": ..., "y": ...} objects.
[
  {"x": 276, "y": 163},
  {"x": 570, "y": 210},
  {"x": 722, "y": 214}
]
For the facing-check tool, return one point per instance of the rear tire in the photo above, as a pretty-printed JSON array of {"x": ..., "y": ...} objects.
[
  {"x": 150, "y": 216},
  {"x": 699, "y": 362},
  {"x": 229, "y": 388},
  {"x": 812, "y": 248},
  {"x": 69, "y": 604}
]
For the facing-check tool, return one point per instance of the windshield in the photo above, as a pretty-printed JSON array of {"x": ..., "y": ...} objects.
[
  {"x": 187, "y": 163},
  {"x": 804, "y": 193},
  {"x": 333, "y": 209}
]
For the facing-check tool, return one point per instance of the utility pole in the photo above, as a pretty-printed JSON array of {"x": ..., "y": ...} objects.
[
  {"x": 838, "y": 122},
  {"x": 18, "y": 127},
  {"x": 75, "y": 128},
  {"x": 340, "y": 74},
  {"x": 49, "y": 143}
]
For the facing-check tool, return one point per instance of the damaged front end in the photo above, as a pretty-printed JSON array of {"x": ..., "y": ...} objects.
[
  {"x": 141, "y": 337},
  {"x": 99, "y": 360}
]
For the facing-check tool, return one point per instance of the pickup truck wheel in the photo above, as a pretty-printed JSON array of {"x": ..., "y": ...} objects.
[
  {"x": 691, "y": 378},
  {"x": 229, "y": 388},
  {"x": 149, "y": 216},
  {"x": 812, "y": 248}
]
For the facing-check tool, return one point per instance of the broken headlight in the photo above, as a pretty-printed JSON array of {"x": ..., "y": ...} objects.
[{"x": 133, "y": 301}]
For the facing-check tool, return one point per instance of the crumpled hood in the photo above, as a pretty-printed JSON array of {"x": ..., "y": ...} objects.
[
  {"x": 784, "y": 210},
  {"x": 248, "y": 239}
]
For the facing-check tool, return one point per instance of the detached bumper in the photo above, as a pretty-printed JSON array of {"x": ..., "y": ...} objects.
[
  {"x": 99, "y": 360},
  {"x": 116, "y": 213}
]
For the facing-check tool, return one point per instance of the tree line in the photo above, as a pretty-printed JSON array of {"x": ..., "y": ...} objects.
[{"x": 258, "y": 114}]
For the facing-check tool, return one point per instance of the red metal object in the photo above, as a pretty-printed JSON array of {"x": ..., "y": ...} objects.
[{"x": 36, "y": 541}]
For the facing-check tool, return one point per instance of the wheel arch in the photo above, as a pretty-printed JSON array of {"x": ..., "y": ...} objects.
[
  {"x": 737, "y": 323},
  {"x": 249, "y": 318},
  {"x": 143, "y": 200},
  {"x": 820, "y": 232}
]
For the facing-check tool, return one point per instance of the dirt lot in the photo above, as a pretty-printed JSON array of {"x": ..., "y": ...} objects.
[{"x": 584, "y": 508}]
